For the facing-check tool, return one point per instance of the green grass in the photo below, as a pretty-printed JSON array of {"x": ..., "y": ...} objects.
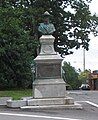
[{"x": 16, "y": 94}]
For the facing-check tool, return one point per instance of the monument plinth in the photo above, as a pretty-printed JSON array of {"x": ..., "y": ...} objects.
[
  {"x": 49, "y": 88},
  {"x": 49, "y": 82}
]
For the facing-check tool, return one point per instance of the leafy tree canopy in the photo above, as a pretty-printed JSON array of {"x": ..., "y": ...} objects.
[
  {"x": 17, "y": 47},
  {"x": 70, "y": 75},
  {"x": 19, "y": 20},
  {"x": 72, "y": 19},
  {"x": 84, "y": 76}
]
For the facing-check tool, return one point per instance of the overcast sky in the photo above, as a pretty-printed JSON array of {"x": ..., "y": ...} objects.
[{"x": 91, "y": 56}]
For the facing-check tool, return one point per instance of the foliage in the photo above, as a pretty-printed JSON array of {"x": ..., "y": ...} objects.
[
  {"x": 70, "y": 75},
  {"x": 19, "y": 20},
  {"x": 83, "y": 76},
  {"x": 72, "y": 19},
  {"x": 17, "y": 48},
  {"x": 73, "y": 22}
]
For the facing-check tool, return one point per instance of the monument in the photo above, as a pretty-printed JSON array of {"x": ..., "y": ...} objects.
[
  {"x": 49, "y": 88},
  {"x": 49, "y": 82}
]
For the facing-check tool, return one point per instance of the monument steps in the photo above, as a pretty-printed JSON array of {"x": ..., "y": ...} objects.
[
  {"x": 50, "y": 101},
  {"x": 52, "y": 107}
]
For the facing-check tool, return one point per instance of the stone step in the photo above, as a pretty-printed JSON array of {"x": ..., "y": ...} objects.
[
  {"x": 50, "y": 101},
  {"x": 55, "y": 107}
]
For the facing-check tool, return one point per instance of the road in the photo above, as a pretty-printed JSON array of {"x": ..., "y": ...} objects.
[
  {"x": 89, "y": 100},
  {"x": 84, "y": 95}
]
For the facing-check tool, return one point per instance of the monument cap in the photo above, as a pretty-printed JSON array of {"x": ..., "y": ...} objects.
[{"x": 46, "y": 14}]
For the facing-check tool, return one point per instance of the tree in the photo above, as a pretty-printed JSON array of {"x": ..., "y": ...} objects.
[
  {"x": 17, "y": 47},
  {"x": 72, "y": 19},
  {"x": 19, "y": 20},
  {"x": 73, "y": 22},
  {"x": 84, "y": 76},
  {"x": 70, "y": 75}
]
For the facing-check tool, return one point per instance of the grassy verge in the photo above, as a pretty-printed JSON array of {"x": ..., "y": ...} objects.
[{"x": 16, "y": 94}]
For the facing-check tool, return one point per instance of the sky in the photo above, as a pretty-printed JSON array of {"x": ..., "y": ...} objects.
[{"x": 91, "y": 56}]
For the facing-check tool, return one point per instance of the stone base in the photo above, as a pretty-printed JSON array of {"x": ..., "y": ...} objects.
[
  {"x": 53, "y": 107},
  {"x": 49, "y": 88},
  {"x": 50, "y": 101}
]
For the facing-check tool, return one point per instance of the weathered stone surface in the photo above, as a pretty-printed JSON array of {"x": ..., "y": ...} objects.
[
  {"x": 47, "y": 44},
  {"x": 4, "y": 99},
  {"x": 50, "y": 101},
  {"x": 49, "y": 88},
  {"x": 48, "y": 59},
  {"x": 54, "y": 107},
  {"x": 16, "y": 103}
]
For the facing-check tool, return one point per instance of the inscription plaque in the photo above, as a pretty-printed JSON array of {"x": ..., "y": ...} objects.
[{"x": 48, "y": 70}]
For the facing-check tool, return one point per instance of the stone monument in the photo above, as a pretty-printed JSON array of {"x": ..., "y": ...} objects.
[
  {"x": 49, "y": 88},
  {"x": 49, "y": 85}
]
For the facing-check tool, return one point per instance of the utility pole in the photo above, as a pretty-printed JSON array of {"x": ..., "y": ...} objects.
[{"x": 83, "y": 59}]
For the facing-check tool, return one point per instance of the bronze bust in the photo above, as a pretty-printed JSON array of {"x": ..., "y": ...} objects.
[{"x": 46, "y": 28}]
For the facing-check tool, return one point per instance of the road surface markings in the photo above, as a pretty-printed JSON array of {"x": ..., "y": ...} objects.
[
  {"x": 37, "y": 116},
  {"x": 91, "y": 103}
]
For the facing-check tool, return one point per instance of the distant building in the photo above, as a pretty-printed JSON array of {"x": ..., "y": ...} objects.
[{"x": 93, "y": 80}]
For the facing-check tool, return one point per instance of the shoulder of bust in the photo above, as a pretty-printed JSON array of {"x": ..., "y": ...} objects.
[{"x": 41, "y": 23}]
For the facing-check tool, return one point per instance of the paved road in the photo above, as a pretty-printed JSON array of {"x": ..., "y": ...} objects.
[
  {"x": 84, "y": 95},
  {"x": 89, "y": 111}
]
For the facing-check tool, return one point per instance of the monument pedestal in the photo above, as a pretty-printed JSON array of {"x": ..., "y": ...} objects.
[
  {"x": 49, "y": 82},
  {"x": 49, "y": 88}
]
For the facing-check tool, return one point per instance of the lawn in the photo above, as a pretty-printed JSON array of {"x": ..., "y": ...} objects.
[{"x": 16, "y": 94}]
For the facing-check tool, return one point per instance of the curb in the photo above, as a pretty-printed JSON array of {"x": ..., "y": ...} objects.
[{"x": 3, "y": 100}]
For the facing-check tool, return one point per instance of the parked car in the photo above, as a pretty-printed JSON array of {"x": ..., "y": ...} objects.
[{"x": 84, "y": 87}]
